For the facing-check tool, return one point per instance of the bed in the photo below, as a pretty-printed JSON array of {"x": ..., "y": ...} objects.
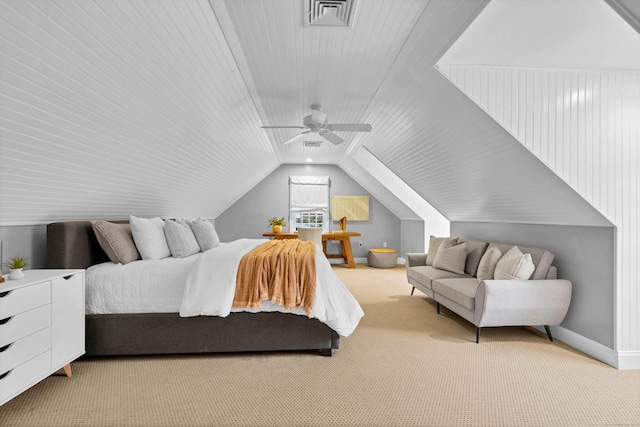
[{"x": 73, "y": 244}]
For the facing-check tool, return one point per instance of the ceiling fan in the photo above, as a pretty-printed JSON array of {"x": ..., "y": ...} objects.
[{"x": 318, "y": 122}]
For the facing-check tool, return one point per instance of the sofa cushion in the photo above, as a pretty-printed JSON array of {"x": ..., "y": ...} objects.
[
  {"x": 514, "y": 265},
  {"x": 475, "y": 249},
  {"x": 434, "y": 244},
  {"x": 488, "y": 263},
  {"x": 461, "y": 290},
  {"x": 424, "y": 275},
  {"x": 451, "y": 258},
  {"x": 541, "y": 258}
]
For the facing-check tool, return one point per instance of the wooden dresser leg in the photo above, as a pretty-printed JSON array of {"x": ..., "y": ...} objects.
[{"x": 67, "y": 369}]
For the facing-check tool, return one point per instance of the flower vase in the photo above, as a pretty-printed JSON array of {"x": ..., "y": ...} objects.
[
  {"x": 276, "y": 228},
  {"x": 16, "y": 273}
]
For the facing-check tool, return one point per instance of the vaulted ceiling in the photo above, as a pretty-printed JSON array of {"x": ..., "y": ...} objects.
[{"x": 156, "y": 107}]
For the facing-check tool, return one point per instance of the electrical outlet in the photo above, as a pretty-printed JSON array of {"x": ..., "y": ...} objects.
[
  {"x": 384, "y": 244},
  {"x": 360, "y": 244}
]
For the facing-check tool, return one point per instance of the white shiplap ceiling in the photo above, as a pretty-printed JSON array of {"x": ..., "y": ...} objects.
[{"x": 155, "y": 107}]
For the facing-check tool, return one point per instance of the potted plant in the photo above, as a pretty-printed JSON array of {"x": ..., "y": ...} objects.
[
  {"x": 15, "y": 266},
  {"x": 277, "y": 224}
]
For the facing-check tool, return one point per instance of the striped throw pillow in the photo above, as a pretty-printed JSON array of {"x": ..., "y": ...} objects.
[{"x": 451, "y": 258}]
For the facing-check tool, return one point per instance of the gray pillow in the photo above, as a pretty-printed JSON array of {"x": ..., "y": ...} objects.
[
  {"x": 488, "y": 263},
  {"x": 451, "y": 258},
  {"x": 180, "y": 239},
  {"x": 116, "y": 241},
  {"x": 434, "y": 244},
  {"x": 205, "y": 233}
]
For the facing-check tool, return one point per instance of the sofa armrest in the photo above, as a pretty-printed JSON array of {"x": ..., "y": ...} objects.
[
  {"x": 521, "y": 302},
  {"x": 414, "y": 259}
]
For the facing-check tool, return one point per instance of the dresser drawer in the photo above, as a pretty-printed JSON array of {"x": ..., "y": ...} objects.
[
  {"x": 24, "y": 376},
  {"x": 24, "y": 324},
  {"x": 25, "y": 298},
  {"x": 12, "y": 355},
  {"x": 70, "y": 280}
]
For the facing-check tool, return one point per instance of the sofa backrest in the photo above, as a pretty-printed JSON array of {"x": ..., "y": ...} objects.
[
  {"x": 475, "y": 250},
  {"x": 541, "y": 258}
]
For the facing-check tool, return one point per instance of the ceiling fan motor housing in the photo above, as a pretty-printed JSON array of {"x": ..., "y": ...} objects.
[{"x": 309, "y": 123}]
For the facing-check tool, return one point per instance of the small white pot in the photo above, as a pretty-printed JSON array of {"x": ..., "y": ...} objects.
[{"x": 16, "y": 273}]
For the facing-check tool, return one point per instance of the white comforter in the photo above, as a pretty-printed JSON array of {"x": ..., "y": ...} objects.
[{"x": 204, "y": 284}]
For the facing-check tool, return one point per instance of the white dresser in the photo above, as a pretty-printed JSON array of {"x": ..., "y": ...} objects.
[{"x": 41, "y": 327}]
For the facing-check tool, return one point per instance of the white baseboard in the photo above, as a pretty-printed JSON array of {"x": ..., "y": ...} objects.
[
  {"x": 622, "y": 360},
  {"x": 359, "y": 261}
]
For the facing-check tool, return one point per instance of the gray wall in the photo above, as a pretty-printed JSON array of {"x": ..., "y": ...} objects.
[
  {"x": 412, "y": 236},
  {"x": 584, "y": 255},
  {"x": 248, "y": 216},
  {"x": 25, "y": 240}
]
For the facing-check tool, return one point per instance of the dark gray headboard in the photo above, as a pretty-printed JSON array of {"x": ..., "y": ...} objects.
[{"x": 73, "y": 244}]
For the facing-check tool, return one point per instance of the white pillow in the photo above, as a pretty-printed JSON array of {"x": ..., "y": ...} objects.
[
  {"x": 514, "y": 265},
  {"x": 180, "y": 239},
  {"x": 148, "y": 233},
  {"x": 488, "y": 263},
  {"x": 451, "y": 258},
  {"x": 205, "y": 233}
]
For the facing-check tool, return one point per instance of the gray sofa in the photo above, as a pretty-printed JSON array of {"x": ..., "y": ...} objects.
[{"x": 540, "y": 299}]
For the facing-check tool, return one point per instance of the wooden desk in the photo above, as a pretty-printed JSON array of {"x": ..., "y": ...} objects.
[{"x": 344, "y": 238}]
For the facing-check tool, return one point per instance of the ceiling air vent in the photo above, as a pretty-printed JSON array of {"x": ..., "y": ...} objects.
[
  {"x": 312, "y": 143},
  {"x": 328, "y": 13}
]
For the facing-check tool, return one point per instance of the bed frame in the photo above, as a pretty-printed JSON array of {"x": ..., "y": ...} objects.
[{"x": 73, "y": 245}]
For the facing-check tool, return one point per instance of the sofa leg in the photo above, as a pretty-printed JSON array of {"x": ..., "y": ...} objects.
[
  {"x": 413, "y": 289},
  {"x": 438, "y": 307},
  {"x": 477, "y": 335},
  {"x": 546, "y": 328}
]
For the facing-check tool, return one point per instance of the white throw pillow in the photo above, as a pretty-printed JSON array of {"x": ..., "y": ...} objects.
[
  {"x": 514, "y": 265},
  {"x": 451, "y": 258},
  {"x": 148, "y": 233},
  {"x": 205, "y": 233},
  {"x": 488, "y": 263},
  {"x": 180, "y": 239}
]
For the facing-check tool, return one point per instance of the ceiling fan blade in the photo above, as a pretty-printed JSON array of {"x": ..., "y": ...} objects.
[
  {"x": 283, "y": 127},
  {"x": 350, "y": 127},
  {"x": 295, "y": 138},
  {"x": 331, "y": 137},
  {"x": 319, "y": 117}
]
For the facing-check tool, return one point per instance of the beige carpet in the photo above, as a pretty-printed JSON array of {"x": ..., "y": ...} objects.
[{"x": 404, "y": 365}]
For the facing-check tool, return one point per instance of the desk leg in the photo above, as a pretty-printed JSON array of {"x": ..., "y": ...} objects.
[
  {"x": 346, "y": 252},
  {"x": 324, "y": 246}
]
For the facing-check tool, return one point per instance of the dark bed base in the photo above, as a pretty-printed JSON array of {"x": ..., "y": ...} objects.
[
  {"x": 73, "y": 245},
  {"x": 167, "y": 333}
]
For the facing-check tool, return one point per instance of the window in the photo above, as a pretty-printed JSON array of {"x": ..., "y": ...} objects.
[
  {"x": 309, "y": 202},
  {"x": 308, "y": 219}
]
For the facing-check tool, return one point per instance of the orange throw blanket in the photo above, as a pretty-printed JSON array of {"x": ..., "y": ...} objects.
[{"x": 283, "y": 271}]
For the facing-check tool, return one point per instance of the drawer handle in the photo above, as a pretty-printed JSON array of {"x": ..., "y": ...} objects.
[
  {"x": 4, "y": 294},
  {"x": 5, "y": 374},
  {"x": 3, "y": 321},
  {"x": 5, "y": 348},
  {"x": 68, "y": 277}
]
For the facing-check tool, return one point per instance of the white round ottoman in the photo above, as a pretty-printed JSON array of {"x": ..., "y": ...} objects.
[{"x": 382, "y": 258}]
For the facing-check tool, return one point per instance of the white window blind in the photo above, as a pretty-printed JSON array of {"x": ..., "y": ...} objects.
[{"x": 309, "y": 193}]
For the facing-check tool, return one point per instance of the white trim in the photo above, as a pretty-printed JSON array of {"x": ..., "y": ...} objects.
[
  {"x": 620, "y": 360},
  {"x": 628, "y": 360},
  {"x": 401, "y": 261}
]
